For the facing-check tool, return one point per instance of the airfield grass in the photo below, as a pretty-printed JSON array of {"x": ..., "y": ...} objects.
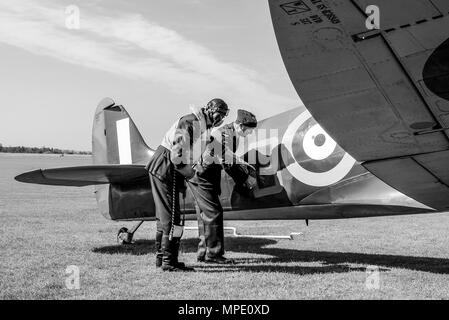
[{"x": 45, "y": 229}]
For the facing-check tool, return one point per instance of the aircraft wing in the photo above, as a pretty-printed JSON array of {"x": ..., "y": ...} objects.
[
  {"x": 85, "y": 175},
  {"x": 382, "y": 94}
]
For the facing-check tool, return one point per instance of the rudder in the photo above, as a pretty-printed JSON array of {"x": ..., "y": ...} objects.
[{"x": 115, "y": 137}]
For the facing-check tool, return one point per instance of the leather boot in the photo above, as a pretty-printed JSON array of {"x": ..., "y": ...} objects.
[
  {"x": 202, "y": 249},
  {"x": 181, "y": 265},
  {"x": 159, "y": 253},
  {"x": 170, "y": 255},
  {"x": 218, "y": 260}
]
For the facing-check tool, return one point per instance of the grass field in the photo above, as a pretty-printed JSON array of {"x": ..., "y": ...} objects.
[{"x": 46, "y": 229}]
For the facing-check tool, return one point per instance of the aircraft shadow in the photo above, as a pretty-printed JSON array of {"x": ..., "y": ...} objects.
[{"x": 330, "y": 262}]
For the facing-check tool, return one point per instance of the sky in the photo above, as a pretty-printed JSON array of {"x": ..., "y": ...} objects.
[{"x": 153, "y": 57}]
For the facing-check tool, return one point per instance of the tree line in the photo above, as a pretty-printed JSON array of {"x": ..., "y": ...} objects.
[{"x": 41, "y": 150}]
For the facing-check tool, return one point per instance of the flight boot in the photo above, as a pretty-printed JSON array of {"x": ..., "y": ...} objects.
[
  {"x": 170, "y": 251},
  {"x": 177, "y": 244},
  {"x": 202, "y": 249},
  {"x": 159, "y": 253},
  {"x": 218, "y": 260}
]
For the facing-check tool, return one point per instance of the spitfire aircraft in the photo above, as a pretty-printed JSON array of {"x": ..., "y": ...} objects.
[{"x": 382, "y": 93}]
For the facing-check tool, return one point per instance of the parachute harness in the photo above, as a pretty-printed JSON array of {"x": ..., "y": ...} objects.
[
  {"x": 173, "y": 207},
  {"x": 173, "y": 212}
]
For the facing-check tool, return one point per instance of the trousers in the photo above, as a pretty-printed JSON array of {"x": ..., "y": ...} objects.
[
  {"x": 209, "y": 215},
  {"x": 165, "y": 184}
]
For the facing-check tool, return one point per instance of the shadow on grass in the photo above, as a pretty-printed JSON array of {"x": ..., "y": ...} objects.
[
  {"x": 331, "y": 262},
  {"x": 300, "y": 270},
  {"x": 138, "y": 248}
]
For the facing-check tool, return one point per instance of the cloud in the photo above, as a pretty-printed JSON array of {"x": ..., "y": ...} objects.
[{"x": 131, "y": 46}]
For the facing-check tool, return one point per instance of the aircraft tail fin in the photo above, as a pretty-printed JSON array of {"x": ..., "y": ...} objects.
[{"x": 115, "y": 137}]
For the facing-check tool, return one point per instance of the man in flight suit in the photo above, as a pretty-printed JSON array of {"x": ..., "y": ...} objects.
[
  {"x": 207, "y": 182},
  {"x": 170, "y": 166}
]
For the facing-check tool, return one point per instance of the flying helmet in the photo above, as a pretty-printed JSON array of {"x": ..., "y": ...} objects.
[{"x": 216, "y": 110}]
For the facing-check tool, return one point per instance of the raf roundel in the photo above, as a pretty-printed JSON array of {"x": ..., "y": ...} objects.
[{"x": 318, "y": 146}]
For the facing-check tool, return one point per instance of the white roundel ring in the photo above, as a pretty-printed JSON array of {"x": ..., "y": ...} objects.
[{"x": 315, "y": 152}]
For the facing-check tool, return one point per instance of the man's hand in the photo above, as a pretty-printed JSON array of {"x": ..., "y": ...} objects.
[
  {"x": 187, "y": 171},
  {"x": 199, "y": 168},
  {"x": 251, "y": 182}
]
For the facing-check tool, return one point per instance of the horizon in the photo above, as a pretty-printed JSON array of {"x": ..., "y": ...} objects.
[{"x": 40, "y": 147}]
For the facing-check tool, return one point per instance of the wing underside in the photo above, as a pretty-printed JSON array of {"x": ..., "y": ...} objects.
[
  {"x": 382, "y": 94},
  {"x": 85, "y": 175}
]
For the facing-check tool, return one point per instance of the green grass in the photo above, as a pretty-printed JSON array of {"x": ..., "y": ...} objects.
[{"x": 46, "y": 229}]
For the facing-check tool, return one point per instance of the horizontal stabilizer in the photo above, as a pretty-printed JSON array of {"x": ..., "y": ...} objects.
[{"x": 85, "y": 175}]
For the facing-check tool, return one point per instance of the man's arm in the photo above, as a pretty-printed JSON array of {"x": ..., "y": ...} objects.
[{"x": 183, "y": 143}]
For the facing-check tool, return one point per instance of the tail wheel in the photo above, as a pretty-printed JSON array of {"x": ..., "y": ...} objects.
[{"x": 124, "y": 236}]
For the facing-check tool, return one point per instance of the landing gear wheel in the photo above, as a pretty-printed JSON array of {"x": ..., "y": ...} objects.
[{"x": 124, "y": 236}]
